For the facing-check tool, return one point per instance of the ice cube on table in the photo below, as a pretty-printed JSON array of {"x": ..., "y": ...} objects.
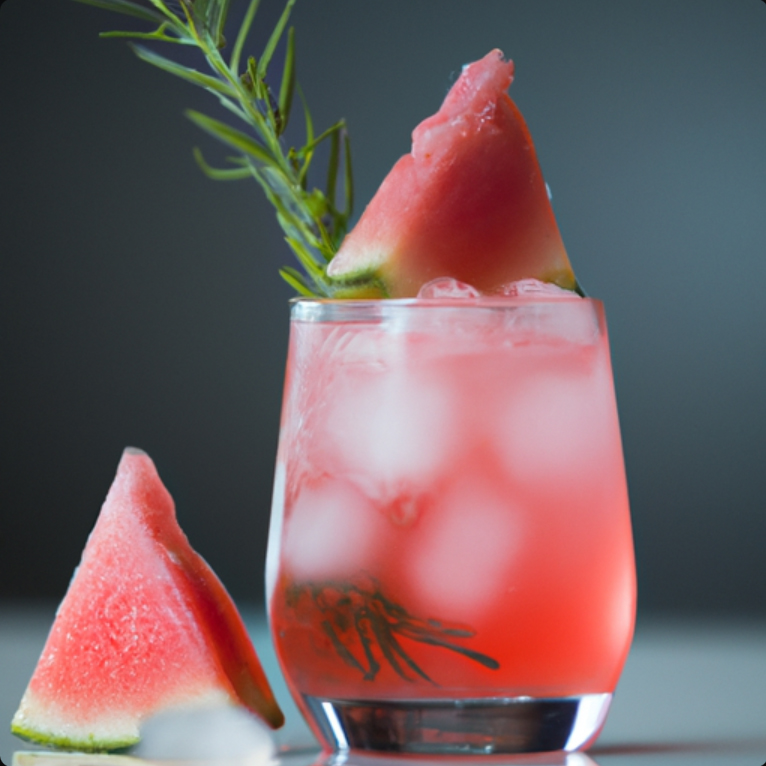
[{"x": 222, "y": 734}]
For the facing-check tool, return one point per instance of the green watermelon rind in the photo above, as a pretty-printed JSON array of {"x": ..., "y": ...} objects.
[
  {"x": 88, "y": 745},
  {"x": 365, "y": 283}
]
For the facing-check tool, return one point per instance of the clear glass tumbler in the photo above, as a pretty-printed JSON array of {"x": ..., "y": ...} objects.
[{"x": 450, "y": 565}]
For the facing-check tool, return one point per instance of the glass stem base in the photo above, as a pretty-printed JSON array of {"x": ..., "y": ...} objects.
[{"x": 495, "y": 725}]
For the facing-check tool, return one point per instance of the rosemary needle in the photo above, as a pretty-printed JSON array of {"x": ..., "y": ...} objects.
[{"x": 312, "y": 222}]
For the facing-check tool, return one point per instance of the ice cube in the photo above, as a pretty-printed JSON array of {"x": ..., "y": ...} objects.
[
  {"x": 329, "y": 531},
  {"x": 555, "y": 428},
  {"x": 390, "y": 431},
  {"x": 446, "y": 287},
  {"x": 546, "y": 313},
  {"x": 460, "y": 562},
  {"x": 534, "y": 288},
  {"x": 215, "y": 735},
  {"x": 346, "y": 346}
]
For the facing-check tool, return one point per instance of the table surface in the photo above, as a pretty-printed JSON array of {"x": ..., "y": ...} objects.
[{"x": 691, "y": 693}]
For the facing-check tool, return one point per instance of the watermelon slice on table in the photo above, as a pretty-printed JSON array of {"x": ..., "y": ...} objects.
[
  {"x": 469, "y": 202},
  {"x": 145, "y": 626}
]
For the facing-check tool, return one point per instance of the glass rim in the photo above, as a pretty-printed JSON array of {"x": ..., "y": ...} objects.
[{"x": 306, "y": 309}]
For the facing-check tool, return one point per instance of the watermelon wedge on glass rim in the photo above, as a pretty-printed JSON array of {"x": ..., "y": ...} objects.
[
  {"x": 468, "y": 202},
  {"x": 145, "y": 626}
]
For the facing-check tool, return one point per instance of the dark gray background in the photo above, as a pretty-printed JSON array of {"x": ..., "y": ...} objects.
[{"x": 140, "y": 304}]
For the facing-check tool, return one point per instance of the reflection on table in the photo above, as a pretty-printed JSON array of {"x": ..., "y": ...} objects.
[{"x": 691, "y": 693}]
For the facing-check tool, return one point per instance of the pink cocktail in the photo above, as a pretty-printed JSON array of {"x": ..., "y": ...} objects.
[{"x": 450, "y": 564}]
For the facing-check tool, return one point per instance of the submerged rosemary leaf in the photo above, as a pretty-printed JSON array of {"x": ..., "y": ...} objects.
[{"x": 358, "y": 617}]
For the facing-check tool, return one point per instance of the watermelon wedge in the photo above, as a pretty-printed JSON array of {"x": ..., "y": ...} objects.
[
  {"x": 145, "y": 626},
  {"x": 469, "y": 202}
]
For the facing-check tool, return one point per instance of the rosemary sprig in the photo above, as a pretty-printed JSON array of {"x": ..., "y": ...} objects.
[
  {"x": 313, "y": 224},
  {"x": 360, "y": 615}
]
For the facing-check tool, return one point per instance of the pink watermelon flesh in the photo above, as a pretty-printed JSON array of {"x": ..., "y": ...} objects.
[
  {"x": 145, "y": 625},
  {"x": 469, "y": 202}
]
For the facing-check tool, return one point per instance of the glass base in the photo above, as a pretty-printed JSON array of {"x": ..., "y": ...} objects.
[{"x": 493, "y": 725}]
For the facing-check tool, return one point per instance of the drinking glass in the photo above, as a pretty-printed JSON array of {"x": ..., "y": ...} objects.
[{"x": 450, "y": 563}]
